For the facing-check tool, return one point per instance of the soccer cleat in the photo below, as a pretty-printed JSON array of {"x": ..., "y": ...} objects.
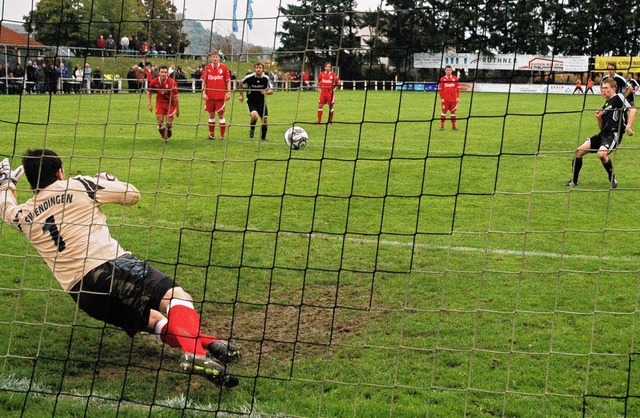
[
  {"x": 169, "y": 133},
  {"x": 208, "y": 367},
  {"x": 251, "y": 133},
  {"x": 264, "y": 139},
  {"x": 223, "y": 351},
  {"x": 455, "y": 128},
  {"x": 442, "y": 128},
  {"x": 614, "y": 182},
  {"x": 211, "y": 138},
  {"x": 571, "y": 183}
]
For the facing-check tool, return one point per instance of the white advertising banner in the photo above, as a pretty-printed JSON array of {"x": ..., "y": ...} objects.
[
  {"x": 523, "y": 88},
  {"x": 571, "y": 64}
]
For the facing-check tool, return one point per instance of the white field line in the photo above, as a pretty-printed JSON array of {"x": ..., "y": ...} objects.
[{"x": 417, "y": 245}]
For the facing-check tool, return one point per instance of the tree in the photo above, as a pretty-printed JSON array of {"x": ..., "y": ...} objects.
[
  {"x": 78, "y": 23},
  {"x": 315, "y": 31},
  {"x": 408, "y": 28},
  {"x": 163, "y": 27},
  {"x": 115, "y": 17},
  {"x": 56, "y": 22}
]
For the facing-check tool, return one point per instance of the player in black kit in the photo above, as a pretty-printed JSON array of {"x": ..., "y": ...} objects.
[
  {"x": 258, "y": 85},
  {"x": 621, "y": 82},
  {"x": 613, "y": 122}
]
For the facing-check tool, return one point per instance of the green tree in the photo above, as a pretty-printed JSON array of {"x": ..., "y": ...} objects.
[
  {"x": 56, "y": 22},
  {"x": 163, "y": 28},
  {"x": 78, "y": 23},
  {"x": 115, "y": 17},
  {"x": 315, "y": 31}
]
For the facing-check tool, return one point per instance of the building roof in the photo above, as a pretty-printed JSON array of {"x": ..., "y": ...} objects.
[{"x": 10, "y": 37}]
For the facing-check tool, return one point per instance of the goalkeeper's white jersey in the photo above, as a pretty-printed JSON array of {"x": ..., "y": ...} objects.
[{"x": 65, "y": 224}]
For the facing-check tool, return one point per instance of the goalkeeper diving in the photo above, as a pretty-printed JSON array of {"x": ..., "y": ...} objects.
[{"x": 63, "y": 220}]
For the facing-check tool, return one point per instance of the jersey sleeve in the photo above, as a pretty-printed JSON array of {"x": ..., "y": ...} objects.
[
  {"x": 106, "y": 188},
  {"x": 9, "y": 207},
  {"x": 174, "y": 88}
]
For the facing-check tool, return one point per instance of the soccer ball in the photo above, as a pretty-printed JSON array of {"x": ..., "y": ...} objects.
[{"x": 296, "y": 138}]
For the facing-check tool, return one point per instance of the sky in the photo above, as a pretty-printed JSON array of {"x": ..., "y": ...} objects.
[{"x": 213, "y": 14}]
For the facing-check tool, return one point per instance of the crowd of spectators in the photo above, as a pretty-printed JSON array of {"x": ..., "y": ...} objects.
[
  {"x": 50, "y": 76},
  {"x": 132, "y": 45},
  {"x": 53, "y": 76}
]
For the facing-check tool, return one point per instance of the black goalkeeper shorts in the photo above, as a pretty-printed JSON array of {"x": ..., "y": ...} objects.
[{"x": 122, "y": 292}]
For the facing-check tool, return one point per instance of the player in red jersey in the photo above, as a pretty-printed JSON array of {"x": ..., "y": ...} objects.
[
  {"x": 328, "y": 83},
  {"x": 216, "y": 90},
  {"x": 449, "y": 89},
  {"x": 167, "y": 104}
]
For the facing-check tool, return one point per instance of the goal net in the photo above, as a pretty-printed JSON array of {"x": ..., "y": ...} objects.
[{"x": 395, "y": 266}]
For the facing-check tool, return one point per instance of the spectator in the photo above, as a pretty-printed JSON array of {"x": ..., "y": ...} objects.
[
  {"x": 96, "y": 82},
  {"x": 306, "y": 80},
  {"x": 51, "y": 76},
  {"x": 111, "y": 45},
  {"x": 78, "y": 75},
  {"x": 140, "y": 77},
  {"x": 18, "y": 72},
  {"x": 135, "y": 44},
  {"x": 132, "y": 78},
  {"x": 88, "y": 73},
  {"x": 169, "y": 50},
  {"x": 144, "y": 48},
  {"x": 102, "y": 44},
  {"x": 124, "y": 44},
  {"x": 41, "y": 86},
  {"x": 31, "y": 76},
  {"x": 197, "y": 74},
  {"x": 63, "y": 75}
]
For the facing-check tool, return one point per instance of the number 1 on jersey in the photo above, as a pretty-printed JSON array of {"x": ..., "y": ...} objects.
[{"x": 51, "y": 227}]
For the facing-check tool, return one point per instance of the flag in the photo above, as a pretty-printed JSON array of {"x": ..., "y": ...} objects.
[
  {"x": 249, "y": 14},
  {"x": 234, "y": 22}
]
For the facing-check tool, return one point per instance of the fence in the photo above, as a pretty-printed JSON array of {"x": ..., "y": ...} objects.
[{"x": 13, "y": 85}]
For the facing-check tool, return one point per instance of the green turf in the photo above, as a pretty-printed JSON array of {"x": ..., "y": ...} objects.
[{"x": 387, "y": 269}]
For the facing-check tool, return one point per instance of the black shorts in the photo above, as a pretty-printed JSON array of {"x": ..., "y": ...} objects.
[
  {"x": 260, "y": 108},
  {"x": 609, "y": 140},
  {"x": 122, "y": 292}
]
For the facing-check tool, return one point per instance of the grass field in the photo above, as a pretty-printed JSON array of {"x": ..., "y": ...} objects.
[{"x": 388, "y": 269}]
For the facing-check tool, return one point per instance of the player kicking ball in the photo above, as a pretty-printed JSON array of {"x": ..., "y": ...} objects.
[
  {"x": 613, "y": 123},
  {"x": 65, "y": 224},
  {"x": 167, "y": 104},
  {"x": 259, "y": 86}
]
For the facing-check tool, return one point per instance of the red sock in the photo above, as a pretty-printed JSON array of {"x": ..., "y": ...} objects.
[
  {"x": 453, "y": 120},
  {"x": 223, "y": 128},
  {"x": 212, "y": 127},
  {"x": 442, "y": 119},
  {"x": 331, "y": 115},
  {"x": 205, "y": 340},
  {"x": 319, "y": 115},
  {"x": 184, "y": 327}
]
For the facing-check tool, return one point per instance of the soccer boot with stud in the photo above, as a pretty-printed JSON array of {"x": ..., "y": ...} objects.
[
  {"x": 571, "y": 183},
  {"x": 223, "y": 351},
  {"x": 208, "y": 367},
  {"x": 614, "y": 182}
]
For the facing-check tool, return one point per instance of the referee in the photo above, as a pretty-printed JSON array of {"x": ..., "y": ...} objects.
[{"x": 258, "y": 86}]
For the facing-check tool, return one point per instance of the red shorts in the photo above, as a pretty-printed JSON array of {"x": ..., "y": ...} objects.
[
  {"x": 214, "y": 105},
  {"x": 327, "y": 99},
  {"x": 165, "y": 109},
  {"x": 450, "y": 106}
]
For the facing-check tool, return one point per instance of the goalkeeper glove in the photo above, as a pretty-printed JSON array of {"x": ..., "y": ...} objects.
[{"x": 7, "y": 175}]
